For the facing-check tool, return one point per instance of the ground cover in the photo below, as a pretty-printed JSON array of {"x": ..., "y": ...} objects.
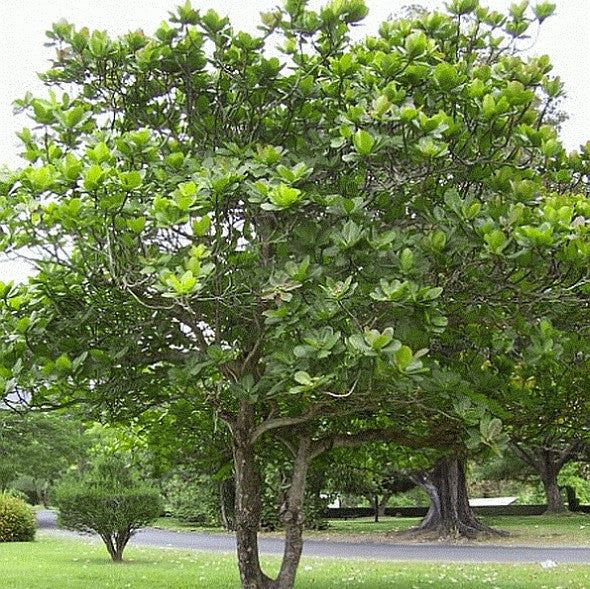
[
  {"x": 56, "y": 563},
  {"x": 531, "y": 530}
]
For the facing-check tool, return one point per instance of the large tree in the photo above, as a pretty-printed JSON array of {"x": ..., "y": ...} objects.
[{"x": 284, "y": 238}]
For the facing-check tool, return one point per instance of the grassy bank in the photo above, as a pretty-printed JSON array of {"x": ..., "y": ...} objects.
[
  {"x": 57, "y": 563},
  {"x": 554, "y": 530}
]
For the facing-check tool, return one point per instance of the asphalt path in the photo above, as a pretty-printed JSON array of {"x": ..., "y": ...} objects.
[{"x": 224, "y": 542}]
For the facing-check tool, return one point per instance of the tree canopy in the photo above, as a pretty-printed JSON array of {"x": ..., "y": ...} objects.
[{"x": 326, "y": 242}]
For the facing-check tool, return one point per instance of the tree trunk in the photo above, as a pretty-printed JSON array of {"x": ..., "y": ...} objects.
[
  {"x": 293, "y": 517},
  {"x": 248, "y": 506},
  {"x": 555, "y": 502},
  {"x": 116, "y": 543},
  {"x": 383, "y": 503},
  {"x": 449, "y": 514}
]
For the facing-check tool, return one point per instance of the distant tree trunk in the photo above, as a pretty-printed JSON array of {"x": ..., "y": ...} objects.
[
  {"x": 449, "y": 513},
  {"x": 227, "y": 498},
  {"x": 383, "y": 504},
  {"x": 555, "y": 502}
]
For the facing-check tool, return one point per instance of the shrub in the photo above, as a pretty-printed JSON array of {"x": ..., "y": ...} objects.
[
  {"x": 17, "y": 522},
  {"x": 113, "y": 513}
]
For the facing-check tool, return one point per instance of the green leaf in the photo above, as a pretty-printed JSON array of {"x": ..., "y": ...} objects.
[
  {"x": 136, "y": 225},
  {"x": 438, "y": 240},
  {"x": 446, "y": 76},
  {"x": 175, "y": 160},
  {"x": 490, "y": 428},
  {"x": 403, "y": 358},
  {"x": 380, "y": 106},
  {"x": 303, "y": 378},
  {"x": 201, "y": 227},
  {"x": 185, "y": 195},
  {"x": 496, "y": 240},
  {"x": 41, "y": 178},
  {"x": 283, "y": 196},
  {"x": 93, "y": 177},
  {"x": 23, "y": 324},
  {"x": 406, "y": 259},
  {"x": 416, "y": 44},
  {"x": 130, "y": 180},
  {"x": 544, "y": 10},
  {"x": 363, "y": 142},
  {"x": 72, "y": 167},
  {"x": 63, "y": 363},
  {"x": 100, "y": 153}
]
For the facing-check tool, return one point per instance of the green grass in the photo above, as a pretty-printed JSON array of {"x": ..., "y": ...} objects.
[
  {"x": 569, "y": 529},
  {"x": 177, "y": 525},
  {"x": 553, "y": 530},
  {"x": 57, "y": 563}
]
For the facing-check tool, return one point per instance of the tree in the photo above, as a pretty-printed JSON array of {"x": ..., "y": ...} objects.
[
  {"x": 107, "y": 501},
  {"x": 39, "y": 446},
  {"x": 284, "y": 239},
  {"x": 545, "y": 393},
  {"x": 548, "y": 459}
]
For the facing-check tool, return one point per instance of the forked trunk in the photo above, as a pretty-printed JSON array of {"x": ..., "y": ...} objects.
[
  {"x": 548, "y": 460},
  {"x": 383, "y": 504},
  {"x": 116, "y": 544},
  {"x": 449, "y": 514},
  {"x": 248, "y": 508}
]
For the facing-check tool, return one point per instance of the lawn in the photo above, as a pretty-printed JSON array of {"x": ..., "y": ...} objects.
[
  {"x": 570, "y": 529},
  {"x": 57, "y": 563}
]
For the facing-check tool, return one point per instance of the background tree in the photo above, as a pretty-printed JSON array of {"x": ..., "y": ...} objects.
[{"x": 37, "y": 449}]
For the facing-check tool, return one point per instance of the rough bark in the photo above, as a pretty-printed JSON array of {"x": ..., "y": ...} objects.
[
  {"x": 555, "y": 502},
  {"x": 449, "y": 514},
  {"x": 248, "y": 506},
  {"x": 292, "y": 515}
]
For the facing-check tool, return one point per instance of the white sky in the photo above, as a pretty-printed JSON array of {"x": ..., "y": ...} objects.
[{"x": 564, "y": 37}]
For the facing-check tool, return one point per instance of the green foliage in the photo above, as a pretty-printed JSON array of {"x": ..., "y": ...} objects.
[
  {"x": 36, "y": 449},
  {"x": 17, "y": 522},
  {"x": 108, "y": 502},
  {"x": 196, "y": 500},
  {"x": 575, "y": 475}
]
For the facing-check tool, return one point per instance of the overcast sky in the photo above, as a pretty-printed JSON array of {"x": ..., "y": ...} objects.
[{"x": 565, "y": 38}]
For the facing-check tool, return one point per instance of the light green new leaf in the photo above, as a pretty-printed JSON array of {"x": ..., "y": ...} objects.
[{"x": 363, "y": 142}]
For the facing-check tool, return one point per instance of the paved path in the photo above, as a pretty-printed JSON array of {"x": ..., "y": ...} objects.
[{"x": 222, "y": 542}]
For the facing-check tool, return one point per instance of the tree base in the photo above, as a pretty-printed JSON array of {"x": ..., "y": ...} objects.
[{"x": 458, "y": 532}]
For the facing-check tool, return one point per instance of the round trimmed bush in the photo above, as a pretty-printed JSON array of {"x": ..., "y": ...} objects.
[
  {"x": 17, "y": 522},
  {"x": 113, "y": 513}
]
